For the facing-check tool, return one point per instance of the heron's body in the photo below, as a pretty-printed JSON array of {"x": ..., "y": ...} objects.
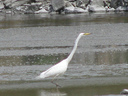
[{"x": 62, "y": 66}]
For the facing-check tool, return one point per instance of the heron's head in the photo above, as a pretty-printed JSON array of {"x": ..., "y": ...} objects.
[{"x": 84, "y": 34}]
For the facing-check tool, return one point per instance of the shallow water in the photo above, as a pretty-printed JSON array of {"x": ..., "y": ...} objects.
[{"x": 99, "y": 66}]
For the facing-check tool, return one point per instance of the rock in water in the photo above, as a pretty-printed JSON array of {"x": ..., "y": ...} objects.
[
  {"x": 57, "y": 4},
  {"x": 14, "y": 3},
  {"x": 19, "y": 2},
  {"x": 126, "y": 1},
  {"x": 124, "y": 91},
  {"x": 1, "y": 5}
]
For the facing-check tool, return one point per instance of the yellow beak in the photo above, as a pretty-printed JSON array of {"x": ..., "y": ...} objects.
[{"x": 87, "y": 33}]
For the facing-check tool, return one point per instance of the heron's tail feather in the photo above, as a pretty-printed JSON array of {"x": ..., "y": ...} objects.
[{"x": 41, "y": 76}]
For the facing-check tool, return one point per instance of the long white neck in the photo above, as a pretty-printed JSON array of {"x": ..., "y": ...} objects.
[{"x": 74, "y": 49}]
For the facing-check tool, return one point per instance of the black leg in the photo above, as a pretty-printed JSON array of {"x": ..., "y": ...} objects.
[{"x": 57, "y": 85}]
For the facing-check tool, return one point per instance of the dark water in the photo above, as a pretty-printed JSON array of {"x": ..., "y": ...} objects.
[
  {"x": 10, "y": 21},
  {"x": 29, "y": 44}
]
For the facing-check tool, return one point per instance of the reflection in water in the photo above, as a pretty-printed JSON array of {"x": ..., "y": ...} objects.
[
  {"x": 102, "y": 57},
  {"x": 94, "y": 58},
  {"x": 30, "y": 60},
  {"x": 68, "y": 91},
  {"x": 95, "y": 90},
  {"x": 51, "y": 93},
  {"x": 18, "y": 93},
  {"x": 32, "y": 20},
  {"x": 32, "y": 92}
]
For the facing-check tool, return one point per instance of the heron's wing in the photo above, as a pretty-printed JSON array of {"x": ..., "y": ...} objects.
[{"x": 57, "y": 69}]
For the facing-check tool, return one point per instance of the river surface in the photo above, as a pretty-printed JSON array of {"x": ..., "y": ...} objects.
[{"x": 29, "y": 44}]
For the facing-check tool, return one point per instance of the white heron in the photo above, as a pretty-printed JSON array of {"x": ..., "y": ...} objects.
[{"x": 61, "y": 67}]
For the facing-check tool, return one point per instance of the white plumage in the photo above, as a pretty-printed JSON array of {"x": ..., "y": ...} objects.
[
  {"x": 61, "y": 67},
  {"x": 55, "y": 70}
]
